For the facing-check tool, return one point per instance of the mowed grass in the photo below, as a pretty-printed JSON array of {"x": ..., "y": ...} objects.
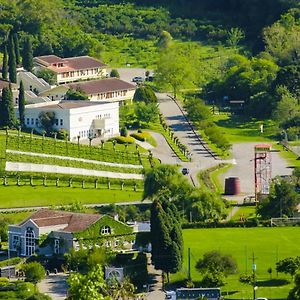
[
  {"x": 28, "y": 196},
  {"x": 237, "y": 129},
  {"x": 291, "y": 158},
  {"x": 268, "y": 245},
  {"x": 245, "y": 212}
]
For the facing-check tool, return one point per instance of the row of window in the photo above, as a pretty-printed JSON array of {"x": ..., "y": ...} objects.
[
  {"x": 86, "y": 133},
  {"x": 32, "y": 121},
  {"x": 104, "y": 116},
  {"x": 111, "y": 95},
  {"x": 80, "y": 73}
]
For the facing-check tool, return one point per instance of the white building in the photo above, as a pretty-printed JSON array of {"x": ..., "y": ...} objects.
[
  {"x": 72, "y": 68},
  {"x": 110, "y": 89},
  {"x": 78, "y": 118}
]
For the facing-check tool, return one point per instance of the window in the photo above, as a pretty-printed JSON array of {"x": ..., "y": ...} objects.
[
  {"x": 15, "y": 242},
  {"x": 29, "y": 241},
  {"x": 117, "y": 242},
  {"x": 36, "y": 122},
  {"x": 56, "y": 122},
  {"x": 27, "y": 121},
  {"x": 56, "y": 246},
  {"x": 106, "y": 230},
  {"x": 61, "y": 122},
  {"x": 32, "y": 121}
]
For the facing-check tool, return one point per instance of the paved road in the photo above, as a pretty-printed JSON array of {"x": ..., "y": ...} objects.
[
  {"x": 244, "y": 168},
  {"x": 55, "y": 286}
]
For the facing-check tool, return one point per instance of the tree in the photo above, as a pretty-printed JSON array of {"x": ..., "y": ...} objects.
[
  {"x": 48, "y": 75},
  {"x": 215, "y": 261},
  {"x": 166, "y": 253},
  {"x": 288, "y": 265},
  {"x": 12, "y": 66},
  {"x": 164, "y": 40},
  {"x": 114, "y": 73},
  {"x": 17, "y": 49},
  {"x": 234, "y": 36},
  {"x": 175, "y": 68},
  {"x": 121, "y": 290},
  {"x": 295, "y": 291},
  {"x": 34, "y": 272},
  {"x": 282, "y": 201},
  {"x": 27, "y": 55},
  {"x": 21, "y": 102},
  {"x": 7, "y": 108},
  {"x": 77, "y": 94},
  {"x": 5, "y": 64},
  {"x": 197, "y": 110},
  {"x": 88, "y": 287},
  {"x": 146, "y": 94},
  {"x": 123, "y": 131},
  {"x": 146, "y": 113},
  {"x": 212, "y": 279},
  {"x": 47, "y": 120}
]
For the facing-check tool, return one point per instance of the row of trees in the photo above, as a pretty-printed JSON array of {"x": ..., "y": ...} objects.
[
  {"x": 12, "y": 57},
  {"x": 7, "y": 112}
]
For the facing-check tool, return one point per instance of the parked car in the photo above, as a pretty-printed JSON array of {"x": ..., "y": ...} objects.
[
  {"x": 138, "y": 79},
  {"x": 185, "y": 171}
]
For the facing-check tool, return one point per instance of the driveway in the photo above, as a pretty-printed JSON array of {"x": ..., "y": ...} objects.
[
  {"x": 127, "y": 74},
  {"x": 55, "y": 286}
]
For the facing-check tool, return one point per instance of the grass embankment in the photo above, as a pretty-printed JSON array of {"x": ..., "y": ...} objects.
[
  {"x": 268, "y": 245},
  {"x": 13, "y": 157},
  {"x": 27, "y": 196},
  {"x": 210, "y": 178},
  {"x": 245, "y": 211},
  {"x": 237, "y": 129},
  {"x": 291, "y": 158}
]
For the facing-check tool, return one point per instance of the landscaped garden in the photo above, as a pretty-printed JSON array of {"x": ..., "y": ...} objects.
[{"x": 269, "y": 245}]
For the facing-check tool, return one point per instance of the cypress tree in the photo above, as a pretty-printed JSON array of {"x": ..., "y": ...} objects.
[
  {"x": 17, "y": 49},
  {"x": 8, "y": 113},
  {"x": 5, "y": 64},
  {"x": 27, "y": 55},
  {"x": 12, "y": 67},
  {"x": 22, "y": 104}
]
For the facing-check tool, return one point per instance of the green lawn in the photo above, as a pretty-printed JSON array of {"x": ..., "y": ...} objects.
[
  {"x": 237, "y": 129},
  {"x": 268, "y": 245},
  {"x": 16, "y": 217},
  {"x": 26, "y": 196},
  {"x": 289, "y": 156},
  {"x": 245, "y": 211}
]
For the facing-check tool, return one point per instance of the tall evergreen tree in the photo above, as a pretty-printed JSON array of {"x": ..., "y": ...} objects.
[
  {"x": 5, "y": 64},
  {"x": 12, "y": 66},
  {"x": 7, "y": 111},
  {"x": 17, "y": 49},
  {"x": 27, "y": 55},
  {"x": 22, "y": 104}
]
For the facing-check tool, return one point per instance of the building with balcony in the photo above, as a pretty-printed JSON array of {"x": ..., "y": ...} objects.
[{"x": 72, "y": 68}]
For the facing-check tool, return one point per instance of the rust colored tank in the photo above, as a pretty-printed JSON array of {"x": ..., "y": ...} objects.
[{"x": 232, "y": 186}]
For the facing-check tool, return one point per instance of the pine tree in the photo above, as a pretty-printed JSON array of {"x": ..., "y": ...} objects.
[
  {"x": 5, "y": 64},
  {"x": 8, "y": 113},
  {"x": 27, "y": 55},
  {"x": 17, "y": 49},
  {"x": 12, "y": 67},
  {"x": 22, "y": 104}
]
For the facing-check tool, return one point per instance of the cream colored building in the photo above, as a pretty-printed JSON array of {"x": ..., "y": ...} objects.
[
  {"x": 110, "y": 89},
  {"x": 72, "y": 68}
]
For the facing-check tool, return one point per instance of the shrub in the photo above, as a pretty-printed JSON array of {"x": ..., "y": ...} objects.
[
  {"x": 292, "y": 133},
  {"x": 141, "y": 136},
  {"x": 245, "y": 278},
  {"x": 146, "y": 94},
  {"x": 114, "y": 73},
  {"x": 62, "y": 134},
  {"x": 34, "y": 272},
  {"x": 123, "y": 131},
  {"x": 124, "y": 140}
]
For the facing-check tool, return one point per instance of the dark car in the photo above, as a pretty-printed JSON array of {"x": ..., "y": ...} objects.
[
  {"x": 138, "y": 79},
  {"x": 185, "y": 171}
]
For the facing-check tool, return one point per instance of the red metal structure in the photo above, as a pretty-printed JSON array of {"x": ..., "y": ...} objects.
[{"x": 262, "y": 170}]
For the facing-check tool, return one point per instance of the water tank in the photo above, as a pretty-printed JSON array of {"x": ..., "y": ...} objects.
[{"x": 232, "y": 186}]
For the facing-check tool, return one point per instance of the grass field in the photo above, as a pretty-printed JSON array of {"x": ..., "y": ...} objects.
[
  {"x": 268, "y": 245},
  {"x": 237, "y": 129},
  {"x": 27, "y": 196},
  {"x": 245, "y": 211},
  {"x": 289, "y": 156}
]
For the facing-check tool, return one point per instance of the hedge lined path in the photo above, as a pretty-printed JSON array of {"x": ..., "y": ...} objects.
[
  {"x": 96, "y": 162},
  {"x": 43, "y": 168}
]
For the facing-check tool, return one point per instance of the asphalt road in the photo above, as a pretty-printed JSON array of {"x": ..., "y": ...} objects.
[{"x": 55, "y": 286}]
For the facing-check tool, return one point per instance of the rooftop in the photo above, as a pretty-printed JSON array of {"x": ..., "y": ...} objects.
[
  {"x": 74, "y": 222},
  {"x": 4, "y": 83},
  {"x": 102, "y": 86},
  {"x": 51, "y": 59},
  {"x": 66, "y": 104}
]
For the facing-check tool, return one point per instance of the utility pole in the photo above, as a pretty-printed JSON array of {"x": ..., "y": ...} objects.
[
  {"x": 254, "y": 276},
  {"x": 189, "y": 264}
]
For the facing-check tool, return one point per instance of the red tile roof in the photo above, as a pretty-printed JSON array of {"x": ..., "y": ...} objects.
[
  {"x": 102, "y": 86},
  {"x": 50, "y": 59},
  {"x": 73, "y": 222}
]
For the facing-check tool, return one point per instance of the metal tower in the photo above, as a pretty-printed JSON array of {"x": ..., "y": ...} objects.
[{"x": 262, "y": 170}]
